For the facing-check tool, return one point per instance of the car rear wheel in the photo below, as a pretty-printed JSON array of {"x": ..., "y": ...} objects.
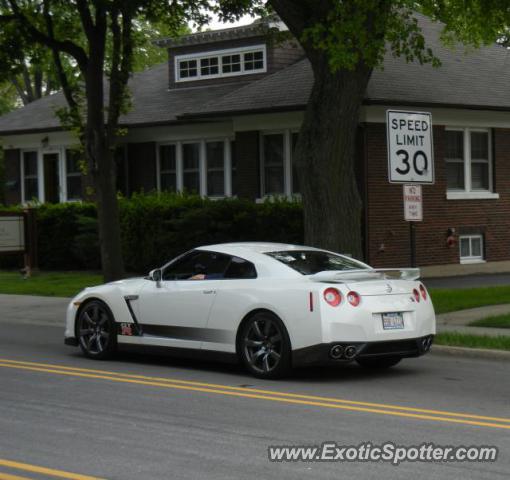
[
  {"x": 264, "y": 346},
  {"x": 378, "y": 363},
  {"x": 95, "y": 330}
]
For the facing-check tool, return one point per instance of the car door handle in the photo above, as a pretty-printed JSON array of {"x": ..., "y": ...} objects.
[{"x": 209, "y": 292}]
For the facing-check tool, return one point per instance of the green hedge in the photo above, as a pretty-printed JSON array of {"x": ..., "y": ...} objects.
[{"x": 156, "y": 228}]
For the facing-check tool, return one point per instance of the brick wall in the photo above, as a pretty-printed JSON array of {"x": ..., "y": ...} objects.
[
  {"x": 388, "y": 233},
  {"x": 12, "y": 176}
]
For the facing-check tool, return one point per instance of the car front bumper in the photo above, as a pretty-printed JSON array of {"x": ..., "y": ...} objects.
[{"x": 322, "y": 354}]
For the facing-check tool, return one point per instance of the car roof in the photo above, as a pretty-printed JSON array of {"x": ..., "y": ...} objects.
[{"x": 254, "y": 252}]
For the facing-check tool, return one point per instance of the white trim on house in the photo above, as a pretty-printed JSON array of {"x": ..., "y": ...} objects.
[
  {"x": 453, "y": 117},
  {"x": 242, "y": 51},
  {"x": 459, "y": 195}
]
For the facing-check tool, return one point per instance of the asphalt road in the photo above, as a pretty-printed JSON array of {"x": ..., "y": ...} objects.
[{"x": 118, "y": 425}]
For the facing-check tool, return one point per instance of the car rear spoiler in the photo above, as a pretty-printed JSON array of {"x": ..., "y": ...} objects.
[{"x": 345, "y": 276}]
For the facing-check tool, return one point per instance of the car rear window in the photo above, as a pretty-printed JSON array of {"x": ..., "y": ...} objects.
[{"x": 309, "y": 262}]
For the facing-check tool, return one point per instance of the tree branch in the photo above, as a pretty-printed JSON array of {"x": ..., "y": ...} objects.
[
  {"x": 37, "y": 35},
  {"x": 22, "y": 94},
  {"x": 122, "y": 56},
  {"x": 27, "y": 82},
  {"x": 86, "y": 18},
  {"x": 62, "y": 77}
]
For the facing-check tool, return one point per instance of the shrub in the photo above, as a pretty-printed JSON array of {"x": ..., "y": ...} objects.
[{"x": 156, "y": 228}]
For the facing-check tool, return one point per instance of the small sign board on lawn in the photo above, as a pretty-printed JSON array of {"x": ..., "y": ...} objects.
[
  {"x": 12, "y": 233},
  {"x": 410, "y": 149},
  {"x": 413, "y": 203}
]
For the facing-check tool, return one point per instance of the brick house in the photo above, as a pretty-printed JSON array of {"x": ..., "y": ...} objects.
[{"x": 221, "y": 118}]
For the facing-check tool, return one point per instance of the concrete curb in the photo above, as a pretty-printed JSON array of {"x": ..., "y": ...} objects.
[{"x": 483, "y": 353}]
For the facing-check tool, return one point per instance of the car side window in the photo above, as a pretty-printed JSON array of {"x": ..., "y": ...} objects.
[
  {"x": 240, "y": 268},
  {"x": 198, "y": 265}
]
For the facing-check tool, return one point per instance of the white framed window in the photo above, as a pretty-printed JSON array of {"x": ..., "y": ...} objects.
[
  {"x": 471, "y": 248},
  {"x": 215, "y": 165},
  {"x": 221, "y": 63},
  {"x": 168, "y": 167},
  {"x": 196, "y": 166},
  {"x": 188, "y": 69},
  {"x": 73, "y": 175},
  {"x": 277, "y": 173},
  {"x": 209, "y": 66},
  {"x": 30, "y": 176},
  {"x": 469, "y": 163},
  {"x": 191, "y": 167},
  {"x": 51, "y": 174}
]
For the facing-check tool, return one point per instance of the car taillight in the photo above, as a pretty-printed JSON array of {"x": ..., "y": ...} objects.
[
  {"x": 353, "y": 298},
  {"x": 416, "y": 295},
  {"x": 332, "y": 296},
  {"x": 423, "y": 292}
]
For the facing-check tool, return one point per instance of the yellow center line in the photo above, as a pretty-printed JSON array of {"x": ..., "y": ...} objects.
[
  {"x": 261, "y": 391},
  {"x": 256, "y": 396},
  {"x": 8, "y": 476},
  {"x": 36, "y": 469}
]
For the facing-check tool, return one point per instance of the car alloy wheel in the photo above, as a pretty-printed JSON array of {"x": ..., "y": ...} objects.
[
  {"x": 265, "y": 346},
  {"x": 96, "y": 330}
]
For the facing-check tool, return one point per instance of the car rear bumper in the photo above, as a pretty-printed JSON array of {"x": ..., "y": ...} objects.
[{"x": 322, "y": 354}]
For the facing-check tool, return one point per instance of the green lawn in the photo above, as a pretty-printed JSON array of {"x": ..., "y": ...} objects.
[
  {"x": 473, "y": 341},
  {"x": 58, "y": 284},
  {"x": 499, "y": 321},
  {"x": 451, "y": 300}
]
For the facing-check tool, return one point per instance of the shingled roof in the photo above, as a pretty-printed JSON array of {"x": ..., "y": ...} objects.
[{"x": 476, "y": 80}]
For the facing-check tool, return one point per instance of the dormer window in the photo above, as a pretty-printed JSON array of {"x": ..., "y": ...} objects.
[
  {"x": 220, "y": 63},
  {"x": 188, "y": 69}
]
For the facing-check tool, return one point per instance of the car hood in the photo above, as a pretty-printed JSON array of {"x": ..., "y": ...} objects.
[{"x": 128, "y": 286}]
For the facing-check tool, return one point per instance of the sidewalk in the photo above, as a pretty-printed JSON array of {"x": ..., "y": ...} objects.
[{"x": 459, "y": 321}]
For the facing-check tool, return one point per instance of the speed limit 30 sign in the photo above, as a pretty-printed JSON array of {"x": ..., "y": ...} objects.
[{"x": 410, "y": 148}]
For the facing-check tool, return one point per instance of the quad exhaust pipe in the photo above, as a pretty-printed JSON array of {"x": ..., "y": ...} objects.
[
  {"x": 338, "y": 352},
  {"x": 426, "y": 343},
  {"x": 350, "y": 352}
]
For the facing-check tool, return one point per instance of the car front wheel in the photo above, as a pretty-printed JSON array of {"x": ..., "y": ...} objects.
[
  {"x": 95, "y": 330},
  {"x": 264, "y": 346}
]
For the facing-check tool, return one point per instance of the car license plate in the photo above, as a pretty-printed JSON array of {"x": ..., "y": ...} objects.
[{"x": 393, "y": 321}]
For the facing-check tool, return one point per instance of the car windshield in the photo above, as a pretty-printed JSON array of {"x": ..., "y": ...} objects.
[{"x": 309, "y": 262}]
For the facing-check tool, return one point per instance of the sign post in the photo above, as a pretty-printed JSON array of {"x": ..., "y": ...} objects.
[
  {"x": 413, "y": 212},
  {"x": 410, "y": 162}
]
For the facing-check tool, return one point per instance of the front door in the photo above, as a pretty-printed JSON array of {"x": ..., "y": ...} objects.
[
  {"x": 51, "y": 165},
  {"x": 177, "y": 311}
]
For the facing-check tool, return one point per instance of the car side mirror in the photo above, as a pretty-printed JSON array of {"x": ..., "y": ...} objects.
[{"x": 156, "y": 276}]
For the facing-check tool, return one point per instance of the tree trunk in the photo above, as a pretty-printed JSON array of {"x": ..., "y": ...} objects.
[
  {"x": 101, "y": 164},
  {"x": 108, "y": 216},
  {"x": 325, "y": 159}
]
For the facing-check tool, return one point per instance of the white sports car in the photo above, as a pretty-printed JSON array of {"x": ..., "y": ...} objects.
[{"x": 269, "y": 305}]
